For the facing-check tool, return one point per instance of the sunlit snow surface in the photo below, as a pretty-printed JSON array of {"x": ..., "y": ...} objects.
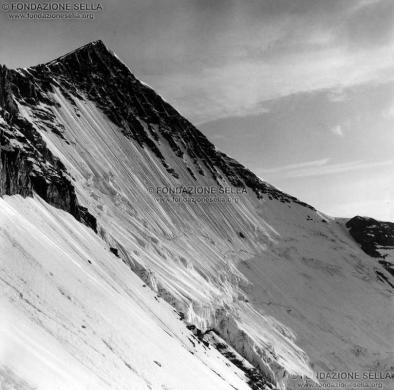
[
  {"x": 74, "y": 317},
  {"x": 293, "y": 286}
]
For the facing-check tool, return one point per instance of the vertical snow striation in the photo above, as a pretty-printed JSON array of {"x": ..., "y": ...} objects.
[
  {"x": 73, "y": 316},
  {"x": 95, "y": 72},
  {"x": 65, "y": 104}
]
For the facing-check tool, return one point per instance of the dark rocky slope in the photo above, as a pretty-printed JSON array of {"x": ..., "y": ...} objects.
[
  {"x": 371, "y": 234},
  {"x": 375, "y": 237},
  {"x": 26, "y": 164}
]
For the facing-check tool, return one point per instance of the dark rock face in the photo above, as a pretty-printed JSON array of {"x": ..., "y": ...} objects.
[
  {"x": 26, "y": 164},
  {"x": 114, "y": 251},
  {"x": 96, "y": 73},
  {"x": 371, "y": 234}
]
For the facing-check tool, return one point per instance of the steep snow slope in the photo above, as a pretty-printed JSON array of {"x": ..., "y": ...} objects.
[
  {"x": 188, "y": 252},
  {"x": 74, "y": 317},
  {"x": 317, "y": 282},
  {"x": 270, "y": 274}
]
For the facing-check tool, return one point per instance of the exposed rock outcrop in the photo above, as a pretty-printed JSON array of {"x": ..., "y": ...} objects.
[
  {"x": 371, "y": 234},
  {"x": 27, "y": 166},
  {"x": 375, "y": 237}
]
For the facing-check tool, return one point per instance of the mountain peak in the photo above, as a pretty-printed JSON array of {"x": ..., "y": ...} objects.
[
  {"x": 97, "y": 43},
  {"x": 94, "y": 45},
  {"x": 226, "y": 249},
  {"x": 87, "y": 54},
  {"x": 95, "y": 73}
]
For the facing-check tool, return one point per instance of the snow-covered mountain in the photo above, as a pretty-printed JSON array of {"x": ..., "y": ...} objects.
[{"x": 136, "y": 255}]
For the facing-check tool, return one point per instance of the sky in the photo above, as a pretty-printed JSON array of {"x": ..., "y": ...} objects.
[{"x": 299, "y": 91}]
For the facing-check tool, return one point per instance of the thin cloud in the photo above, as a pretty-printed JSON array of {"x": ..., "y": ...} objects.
[
  {"x": 337, "y": 168},
  {"x": 389, "y": 112},
  {"x": 305, "y": 164},
  {"x": 337, "y": 130},
  {"x": 242, "y": 87},
  {"x": 320, "y": 168},
  {"x": 273, "y": 52}
]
